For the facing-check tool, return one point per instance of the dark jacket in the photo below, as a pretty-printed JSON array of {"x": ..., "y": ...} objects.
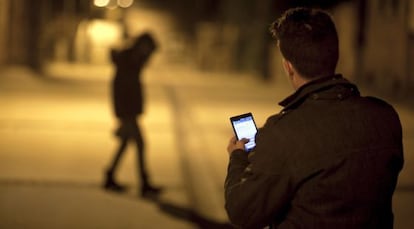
[
  {"x": 127, "y": 90},
  {"x": 329, "y": 159}
]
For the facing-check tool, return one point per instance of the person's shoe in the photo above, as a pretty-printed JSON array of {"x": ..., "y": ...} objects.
[
  {"x": 110, "y": 185},
  {"x": 150, "y": 192}
]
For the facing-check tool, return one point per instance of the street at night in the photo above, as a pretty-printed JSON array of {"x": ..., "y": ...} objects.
[
  {"x": 207, "y": 60},
  {"x": 56, "y": 138}
]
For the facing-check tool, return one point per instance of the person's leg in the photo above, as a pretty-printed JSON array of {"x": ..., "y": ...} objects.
[
  {"x": 146, "y": 187},
  {"x": 118, "y": 155},
  {"x": 110, "y": 182},
  {"x": 140, "y": 144}
]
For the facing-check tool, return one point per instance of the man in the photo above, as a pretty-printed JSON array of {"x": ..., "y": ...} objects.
[
  {"x": 127, "y": 93},
  {"x": 330, "y": 158}
]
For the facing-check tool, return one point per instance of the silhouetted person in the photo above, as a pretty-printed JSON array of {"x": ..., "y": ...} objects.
[{"x": 128, "y": 98}]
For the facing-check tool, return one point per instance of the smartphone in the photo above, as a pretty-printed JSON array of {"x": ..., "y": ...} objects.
[{"x": 245, "y": 127}]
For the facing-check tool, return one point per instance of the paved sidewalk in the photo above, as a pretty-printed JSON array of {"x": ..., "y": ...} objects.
[
  {"x": 56, "y": 138},
  {"x": 55, "y": 141}
]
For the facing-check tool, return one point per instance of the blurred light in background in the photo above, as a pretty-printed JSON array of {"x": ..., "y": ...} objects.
[
  {"x": 102, "y": 35},
  {"x": 103, "y": 32},
  {"x": 101, "y": 3},
  {"x": 125, "y": 3},
  {"x": 112, "y": 4}
]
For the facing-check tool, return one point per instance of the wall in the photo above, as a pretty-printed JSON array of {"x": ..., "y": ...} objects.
[{"x": 385, "y": 56}]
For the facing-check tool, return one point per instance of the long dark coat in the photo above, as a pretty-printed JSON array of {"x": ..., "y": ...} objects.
[{"x": 127, "y": 90}]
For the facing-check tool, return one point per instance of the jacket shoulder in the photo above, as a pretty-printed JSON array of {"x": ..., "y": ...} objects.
[
  {"x": 377, "y": 100},
  {"x": 379, "y": 103}
]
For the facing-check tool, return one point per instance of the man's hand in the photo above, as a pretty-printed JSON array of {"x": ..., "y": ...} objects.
[{"x": 236, "y": 144}]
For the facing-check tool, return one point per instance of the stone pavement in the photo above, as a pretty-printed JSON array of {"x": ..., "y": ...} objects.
[{"x": 56, "y": 139}]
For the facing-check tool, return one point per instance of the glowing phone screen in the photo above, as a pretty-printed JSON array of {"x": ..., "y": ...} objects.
[{"x": 245, "y": 127}]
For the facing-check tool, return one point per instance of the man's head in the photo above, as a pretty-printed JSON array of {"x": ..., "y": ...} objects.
[{"x": 308, "y": 40}]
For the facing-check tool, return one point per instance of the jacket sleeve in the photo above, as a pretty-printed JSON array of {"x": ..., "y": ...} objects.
[{"x": 254, "y": 197}]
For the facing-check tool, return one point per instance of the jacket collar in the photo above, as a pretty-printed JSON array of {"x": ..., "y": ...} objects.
[{"x": 314, "y": 86}]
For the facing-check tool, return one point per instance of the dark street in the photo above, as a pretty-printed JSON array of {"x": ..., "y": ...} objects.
[{"x": 56, "y": 138}]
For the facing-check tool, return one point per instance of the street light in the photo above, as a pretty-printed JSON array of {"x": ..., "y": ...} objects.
[
  {"x": 101, "y": 3},
  {"x": 112, "y": 4},
  {"x": 125, "y": 3}
]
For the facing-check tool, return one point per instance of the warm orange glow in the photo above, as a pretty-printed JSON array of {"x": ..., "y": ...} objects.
[
  {"x": 101, "y": 3},
  {"x": 101, "y": 31},
  {"x": 125, "y": 3},
  {"x": 112, "y": 4}
]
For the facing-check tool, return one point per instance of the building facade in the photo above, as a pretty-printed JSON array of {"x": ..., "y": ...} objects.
[{"x": 377, "y": 41}]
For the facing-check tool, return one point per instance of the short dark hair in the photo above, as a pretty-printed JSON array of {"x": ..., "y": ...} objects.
[{"x": 309, "y": 40}]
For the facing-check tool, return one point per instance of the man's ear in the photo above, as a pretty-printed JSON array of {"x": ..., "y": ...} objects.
[{"x": 288, "y": 67}]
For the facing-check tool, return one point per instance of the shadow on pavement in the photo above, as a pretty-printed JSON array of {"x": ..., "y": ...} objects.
[
  {"x": 191, "y": 216},
  {"x": 170, "y": 209}
]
